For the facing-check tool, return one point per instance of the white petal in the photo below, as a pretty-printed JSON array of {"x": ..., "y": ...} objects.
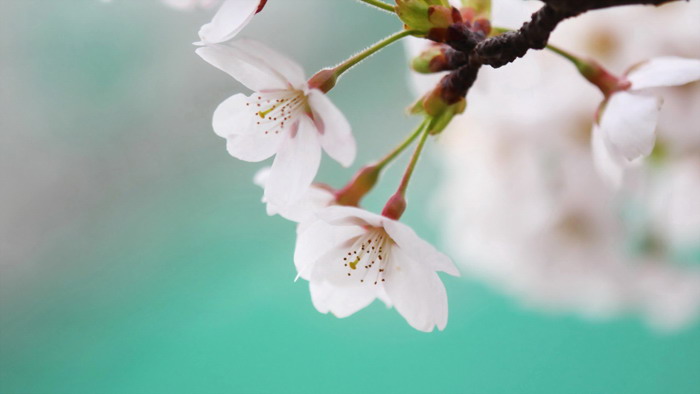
[
  {"x": 251, "y": 71},
  {"x": 416, "y": 292},
  {"x": 290, "y": 70},
  {"x": 314, "y": 200},
  {"x": 381, "y": 294},
  {"x": 336, "y": 135},
  {"x": 252, "y": 147},
  {"x": 303, "y": 211},
  {"x": 341, "y": 301},
  {"x": 336, "y": 266},
  {"x": 260, "y": 177},
  {"x": 664, "y": 71},
  {"x": 232, "y": 116},
  {"x": 295, "y": 165},
  {"x": 350, "y": 216},
  {"x": 233, "y": 121},
  {"x": 629, "y": 122},
  {"x": 231, "y": 17},
  {"x": 609, "y": 167},
  {"x": 257, "y": 126},
  {"x": 317, "y": 240},
  {"x": 420, "y": 250}
]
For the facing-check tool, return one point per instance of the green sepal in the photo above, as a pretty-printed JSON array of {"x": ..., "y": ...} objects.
[{"x": 414, "y": 13}]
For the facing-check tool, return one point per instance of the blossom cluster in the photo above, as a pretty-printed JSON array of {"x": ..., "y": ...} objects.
[
  {"x": 349, "y": 256},
  {"x": 505, "y": 206}
]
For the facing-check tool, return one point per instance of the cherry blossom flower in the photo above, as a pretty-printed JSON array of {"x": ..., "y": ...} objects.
[
  {"x": 228, "y": 21},
  {"x": 351, "y": 256},
  {"x": 626, "y": 129},
  {"x": 284, "y": 117}
]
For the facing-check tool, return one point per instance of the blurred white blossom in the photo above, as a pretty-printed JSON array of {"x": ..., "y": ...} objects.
[
  {"x": 626, "y": 128},
  {"x": 524, "y": 206}
]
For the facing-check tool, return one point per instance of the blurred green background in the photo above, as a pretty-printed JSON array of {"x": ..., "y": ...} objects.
[{"x": 136, "y": 256}]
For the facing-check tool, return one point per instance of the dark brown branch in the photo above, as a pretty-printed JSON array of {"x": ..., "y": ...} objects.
[{"x": 502, "y": 49}]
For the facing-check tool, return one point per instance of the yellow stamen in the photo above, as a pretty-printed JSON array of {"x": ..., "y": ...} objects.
[{"x": 263, "y": 114}]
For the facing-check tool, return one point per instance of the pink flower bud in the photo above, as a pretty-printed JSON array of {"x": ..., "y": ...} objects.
[
  {"x": 361, "y": 184},
  {"x": 395, "y": 207}
]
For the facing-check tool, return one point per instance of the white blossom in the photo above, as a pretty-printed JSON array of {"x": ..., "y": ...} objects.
[
  {"x": 229, "y": 20},
  {"x": 284, "y": 117},
  {"x": 626, "y": 130},
  {"x": 351, "y": 257}
]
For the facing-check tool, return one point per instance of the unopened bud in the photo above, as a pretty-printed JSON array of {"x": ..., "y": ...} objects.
[
  {"x": 441, "y": 16},
  {"x": 441, "y": 121},
  {"x": 261, "y": 5},
  {"x": 476, "y": 9},
  {"x": 434, "y": 103},
  {"x": 438, "y": 58},
  {"x": 395, "y": 207},
  {"x": 323, "y": 80},
  {"x": 482, "y": 25},
  {"x": 363, "y": 181},
  {"x": 417, "y": 14}
]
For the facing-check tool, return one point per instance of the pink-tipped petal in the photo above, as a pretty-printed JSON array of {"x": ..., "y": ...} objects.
[
  {"x": 336, "y": 135},
  {"x": 295, "y": 165}
]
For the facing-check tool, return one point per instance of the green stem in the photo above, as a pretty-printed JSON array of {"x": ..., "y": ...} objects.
[
  {"x": 365, "y": 179},
  {"x": 566, "y": 55},
  {"x": 607, "y": 82},
  {"x": 380, "y": 4},
  {"x": 399, "y": 149},
  {"x": 414, "y": 160},
  {"x": 346, "y": 65}
]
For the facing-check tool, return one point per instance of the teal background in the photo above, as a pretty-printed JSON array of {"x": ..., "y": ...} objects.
[{"x": 136, "y": 256}]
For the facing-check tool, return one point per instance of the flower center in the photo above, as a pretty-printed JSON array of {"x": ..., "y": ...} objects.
[
  {"x": 276, "y": 111},
  {"x": 367, "y": 258}
]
